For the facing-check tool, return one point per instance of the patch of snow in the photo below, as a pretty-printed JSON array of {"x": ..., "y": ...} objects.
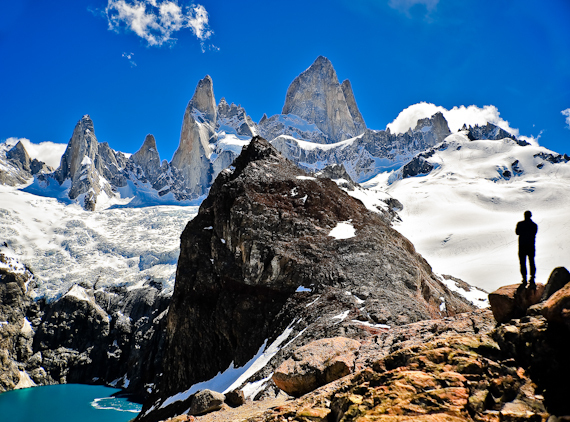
[
  {"x": 25, "y": 381},
  {"x": 208, "y": 228},
  {"x": 306, "y": 178},
  {"x": 302, "y": 289},
  {"x": 314, "y": 301},
  {"x": 358, "y": 300},
  {"x": 78, "y": 292},
  {"x": 368, "y": 324},
  {"x": 233, "y": 377},
  {"x": 86, "y": 160},
  {"x": 342, "y": 316},
  {"x": 343, "y": 230},
  {"x": 27, "y": 327},
  {"x": 251, "y": 389},
  {"x": 475, "y": 295},
  {"x": 442, "y": 307}
]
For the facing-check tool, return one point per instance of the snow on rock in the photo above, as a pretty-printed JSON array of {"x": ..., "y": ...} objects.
[
  {"x": 233, "y": 377},
  {"x": 343, "y": 230}
]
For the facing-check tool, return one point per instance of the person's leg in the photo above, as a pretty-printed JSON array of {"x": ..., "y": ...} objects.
[
  {"x": 522, "y": 259},
  {"x": 531, "y": 265}
]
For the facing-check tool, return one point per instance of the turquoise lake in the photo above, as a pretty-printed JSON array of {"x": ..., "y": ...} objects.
[{"x": 66, "y": 403}]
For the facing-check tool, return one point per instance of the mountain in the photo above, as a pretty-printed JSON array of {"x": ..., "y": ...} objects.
[
  {"x": 317, "y": 97},
  {"x": 275, "y": 250},
  {"x": 320, "y": 125}
]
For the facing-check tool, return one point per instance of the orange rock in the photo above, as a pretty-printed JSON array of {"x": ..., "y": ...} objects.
[
  {"x": 512, "y": 301},
  {"x": 557, "y": 307}
]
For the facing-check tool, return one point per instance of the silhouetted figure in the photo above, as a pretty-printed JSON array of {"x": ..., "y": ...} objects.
[{"x": 526, "y": 230}]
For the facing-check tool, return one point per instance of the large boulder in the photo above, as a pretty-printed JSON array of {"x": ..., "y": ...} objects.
[
  {"x": 558, "y": 278},
  {"x": 557, "y": 307},
  {"x": 512, "y": 301},
  {"x": 316, "y": 364},
  {"x": 206, "y": 401}
]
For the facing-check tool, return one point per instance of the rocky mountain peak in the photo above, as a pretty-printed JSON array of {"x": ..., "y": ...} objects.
[
  {"x": 204, "y": 100},
  {"x": 436, "y": 124},
  {"x": 20, "y": 156},
  {"x": 147, "y": 158},
  {"x": 267, "y": 232},
  {"x": 317, "y": 97},
  {"x": 352, "y": 107}
]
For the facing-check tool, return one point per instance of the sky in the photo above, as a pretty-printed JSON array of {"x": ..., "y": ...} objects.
[{"x": 133, "y": 65}]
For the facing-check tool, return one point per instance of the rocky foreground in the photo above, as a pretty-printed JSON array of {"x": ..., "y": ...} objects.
[{"x": 462, "y": 368}]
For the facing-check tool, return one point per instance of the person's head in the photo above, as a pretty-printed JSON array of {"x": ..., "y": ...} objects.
[{"x": 527, "y": 215}]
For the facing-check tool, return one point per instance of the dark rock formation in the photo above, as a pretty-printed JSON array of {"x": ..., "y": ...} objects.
[
  {"x": 558, "y": 278},
  {"x": 15, "y": 330},
  {"x": 337, "y": 173},
  {"x": 90, "y": 336},
  {"x": 264, "y": 232}
]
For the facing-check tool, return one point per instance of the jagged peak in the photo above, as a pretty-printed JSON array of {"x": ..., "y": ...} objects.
[
  {"x": 149, "y": 142},
  {"x": 204, "y": 100}
]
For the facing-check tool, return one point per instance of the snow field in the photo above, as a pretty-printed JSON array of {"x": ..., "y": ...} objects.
[
  {"x": 462, "y": 216},
  {"x": 65, "y": 245}
]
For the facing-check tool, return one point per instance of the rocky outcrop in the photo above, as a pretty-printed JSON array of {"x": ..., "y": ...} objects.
[
  {"x": 148, "y": 159},
  {"x": 317, "y": 97},
  {"x": 316, "y": 364},
  {"x": 96, "y": 336},
  {"x": 513, "y": 301},
  {"x": 19, "y": 155},
  {"x": 15, "y": 329},
  {"x": 261, "y": 262},
  {"x": 234, "y": 117}
]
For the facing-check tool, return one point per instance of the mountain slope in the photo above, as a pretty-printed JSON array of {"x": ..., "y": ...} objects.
[{"x": 463, "y": 198}]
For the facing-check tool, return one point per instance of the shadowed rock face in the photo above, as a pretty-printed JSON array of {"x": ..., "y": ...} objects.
[{"x": 264, "y": 231}]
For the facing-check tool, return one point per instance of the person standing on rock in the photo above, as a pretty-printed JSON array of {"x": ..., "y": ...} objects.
[{"x": 526, "y": 231}]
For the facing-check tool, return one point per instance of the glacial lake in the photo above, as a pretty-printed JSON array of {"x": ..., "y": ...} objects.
[{"x": 66, "y": 403}]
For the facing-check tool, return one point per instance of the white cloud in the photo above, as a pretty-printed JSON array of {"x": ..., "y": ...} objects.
[
  {"x": 48, "y": 152},
  {"x": 456, "y": 117},
  {"x": 406, "y": 5},
  {"x": 567, "y": 114},
  {"x": 157, "y": 20},
  {"x": 129, "y": 57}
]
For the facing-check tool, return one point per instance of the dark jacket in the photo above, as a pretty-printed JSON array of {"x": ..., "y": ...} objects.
[{"x": 526, "y": 230}]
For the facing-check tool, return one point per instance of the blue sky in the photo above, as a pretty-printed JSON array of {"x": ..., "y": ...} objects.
[{"x": 61, "y": 60}]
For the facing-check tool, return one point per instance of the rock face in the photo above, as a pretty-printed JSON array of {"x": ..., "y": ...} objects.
[
  {"x": 16, "y": 166},
  {"x": 191, "y": 159},
  {"x": 15, "y": 329},
  {"x": 87, "y": 336},
  {"x": 264, "y": 232},
  {"x": 317, "y": 97}
]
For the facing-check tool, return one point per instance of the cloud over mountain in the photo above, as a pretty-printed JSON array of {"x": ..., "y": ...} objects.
[
  {"x": 157, "y": 20},
  {"x": 48, "y": 152},
  {"x": 456, "y": 117}
]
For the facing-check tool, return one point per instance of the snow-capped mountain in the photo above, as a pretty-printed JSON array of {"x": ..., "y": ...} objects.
[{"x": 462, "y": 199}]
